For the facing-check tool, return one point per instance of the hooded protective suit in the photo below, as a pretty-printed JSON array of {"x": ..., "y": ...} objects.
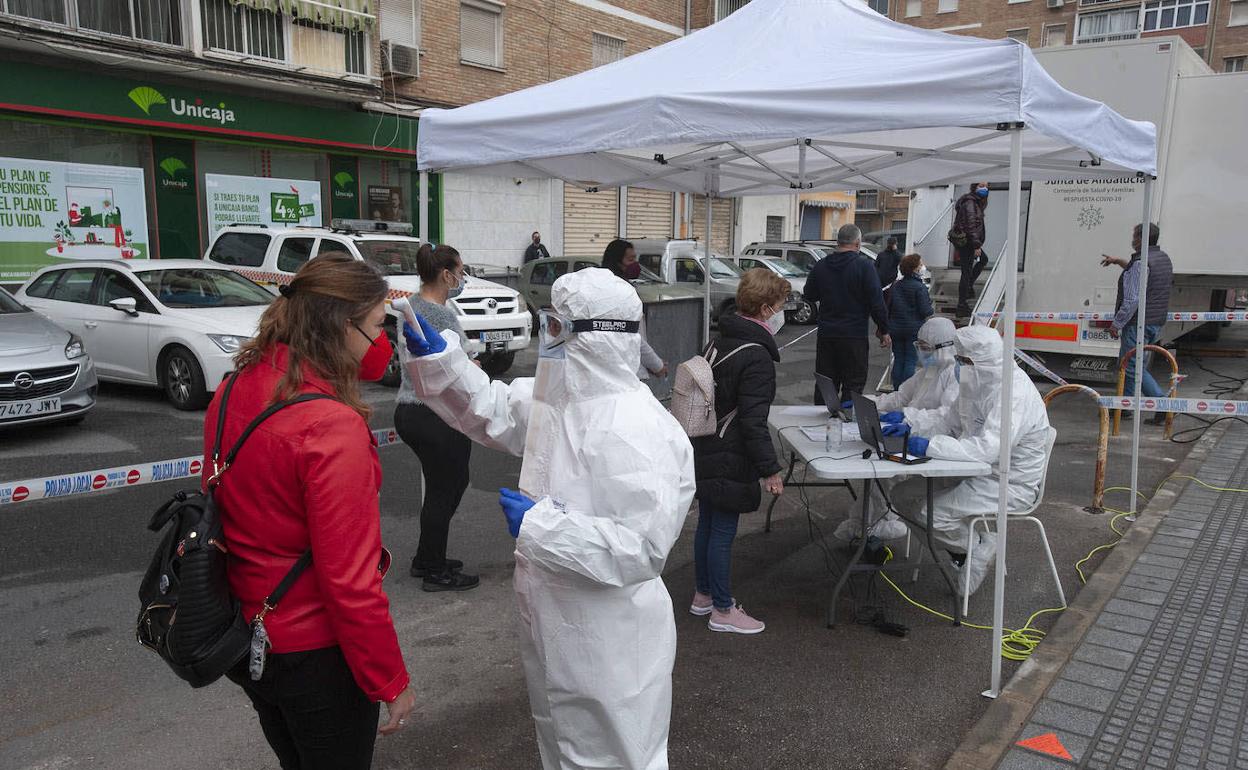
[
  {"x": 971, "y": 430},
  {"x": 612, "y": 473},
  {"x": 920, "y": 398}
]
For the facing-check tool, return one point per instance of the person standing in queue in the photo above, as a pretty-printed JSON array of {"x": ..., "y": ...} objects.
[
  {"x": 967, "y": 237},
  {"x": 909, "y": 305},
  {"x": 308, "y": 479},
  {"x": 731, "y": 462},
  {"x": 443, "y": 451},
  {"x": 621, "y": 258}
]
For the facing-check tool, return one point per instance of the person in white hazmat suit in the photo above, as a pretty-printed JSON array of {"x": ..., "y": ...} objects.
[
  {"x": 970, "y": 429},
  {"x": 931, "y": 388},
  {"x": 607, "y": 481}
]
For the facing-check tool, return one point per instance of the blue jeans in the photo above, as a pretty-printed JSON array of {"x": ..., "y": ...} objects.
[
  {"x": 712, "y": 554},
  {"x": 905, "y": 359},
  {"x": 1127, "y": 341}
]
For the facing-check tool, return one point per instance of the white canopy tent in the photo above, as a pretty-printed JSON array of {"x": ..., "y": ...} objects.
[{"x": 787, "y": 96}]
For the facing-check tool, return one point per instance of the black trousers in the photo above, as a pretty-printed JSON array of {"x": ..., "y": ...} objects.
[
  {"x": 971, "y": 268},
  {"x": 312, "y": 712},
  {"x": 844, "y": 359},
  {"x": 444, "y": 453}
]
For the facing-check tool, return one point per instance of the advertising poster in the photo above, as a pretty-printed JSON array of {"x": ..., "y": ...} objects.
[
  {"x": 50, "y": 211},
  {"x": 387, "y": 204},
  {"x": 258, "y": 200}
]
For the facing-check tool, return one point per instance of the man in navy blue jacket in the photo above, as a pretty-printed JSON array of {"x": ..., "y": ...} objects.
[{"x": 846, "y": 289}]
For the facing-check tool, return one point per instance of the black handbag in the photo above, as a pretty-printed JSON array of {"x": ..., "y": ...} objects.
[{"x": 187, "y": 615}]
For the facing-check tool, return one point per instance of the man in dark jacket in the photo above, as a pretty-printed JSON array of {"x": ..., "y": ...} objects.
[
  {"x": 887, "y": 262},
  {"x": 1157, "y": 306},
  {"x": 536, "y": 249},
  {"x": 969, "y": 221},
  {"x": 846, "y": 289}
]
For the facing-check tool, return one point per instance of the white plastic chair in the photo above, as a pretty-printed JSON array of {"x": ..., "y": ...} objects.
[{"x": 1023, "y": 515}]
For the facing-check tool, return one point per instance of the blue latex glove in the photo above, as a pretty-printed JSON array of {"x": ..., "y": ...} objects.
[
  {"x": 847, "y": 404},
  {"x": 894, "y": 428},
  {"x": 515, "y": 505},
  {"x": 425, "y": 342},
  {"x": 892, "y": 417},
  {"x": 917, "y": 446}
]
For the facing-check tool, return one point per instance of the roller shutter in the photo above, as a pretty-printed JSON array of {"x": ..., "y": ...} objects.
[
  {"x": 649, "y": 213},
  {"x": 721, "y": 223},
  {"x": 590, "y": 221}
]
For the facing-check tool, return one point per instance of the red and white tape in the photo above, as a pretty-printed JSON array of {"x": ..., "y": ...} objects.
[
  {"x": 1237, "y": 316},
  {"x": 138, "y": 474},
  {"x": 1214, "y": 407}
]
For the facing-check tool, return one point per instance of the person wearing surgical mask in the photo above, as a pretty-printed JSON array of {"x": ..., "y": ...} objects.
[
  {"x": 737, "y": 462},
  {"x": 909, "y": 305},
  {"x": 605, "y": 485},
  {"x": 621, "y": 258},
  {"x": 444, "y": 452},
  {"x": 969, "y": 429}
]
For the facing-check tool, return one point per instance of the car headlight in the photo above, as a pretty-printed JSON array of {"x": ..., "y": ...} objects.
[
  {"x": 74, "y": 348},
  {"x": 229, "y": 343}
]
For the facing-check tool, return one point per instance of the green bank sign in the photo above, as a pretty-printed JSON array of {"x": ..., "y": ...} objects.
[{"x": 166, "y": 108}]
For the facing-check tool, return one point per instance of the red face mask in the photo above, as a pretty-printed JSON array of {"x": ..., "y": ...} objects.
[{"x": 375, "y": 361}]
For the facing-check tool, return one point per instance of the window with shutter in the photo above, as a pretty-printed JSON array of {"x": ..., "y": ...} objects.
[
  {"x": 607, "y": 49},
  {"x": 399, "y": 22},
  {"x": 481, "y": 34}
]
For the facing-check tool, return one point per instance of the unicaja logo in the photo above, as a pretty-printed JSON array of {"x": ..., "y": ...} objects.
[
  {"x": 217, "y": 113},
  {"x": 145, "y": 97},
  {"x": 175, "y": 173}
]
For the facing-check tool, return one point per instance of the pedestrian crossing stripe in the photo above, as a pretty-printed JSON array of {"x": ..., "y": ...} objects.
[{"x": 1047, "y": 743}]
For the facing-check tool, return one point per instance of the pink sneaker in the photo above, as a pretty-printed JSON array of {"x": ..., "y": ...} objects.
[
  {"x": 735, "y": 621},
  {"x": 702, "y": 604}
]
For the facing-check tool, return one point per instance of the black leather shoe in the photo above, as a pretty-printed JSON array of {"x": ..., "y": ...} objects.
[
  {"x": 450, "y": 581},
  {"x": 453, "y": 565}
]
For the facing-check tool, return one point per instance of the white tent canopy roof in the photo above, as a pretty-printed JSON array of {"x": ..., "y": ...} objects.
[{"x": 788, "y": 95}]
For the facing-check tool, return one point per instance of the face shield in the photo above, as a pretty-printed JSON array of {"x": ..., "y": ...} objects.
[
  {"x": 555, "y": 331},
  {"x": 929, "y": 354}
]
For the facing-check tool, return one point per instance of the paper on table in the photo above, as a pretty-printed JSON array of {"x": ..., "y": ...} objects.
[
  {"x": 805, "y": 411},
  {"x": 849, "y": 432}
]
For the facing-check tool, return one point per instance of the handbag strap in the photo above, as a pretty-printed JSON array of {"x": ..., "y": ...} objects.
[
  {"x": 296, "y": 569},
  {"x": 219, "y": 466}
]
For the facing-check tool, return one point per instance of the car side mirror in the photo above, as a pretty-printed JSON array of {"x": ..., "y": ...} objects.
[{"x": 127, "y": 305}]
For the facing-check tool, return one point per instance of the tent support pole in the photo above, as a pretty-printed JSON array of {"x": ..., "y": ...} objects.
[
  {"x": 1013, "y": 212},
  {"x": 424, "y": 206},
  {"x": 1140, "y": 342},
  {"x": 706, "y": 269}
]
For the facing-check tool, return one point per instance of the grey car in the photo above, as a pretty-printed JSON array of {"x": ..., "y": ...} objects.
[{"x": 45, "y": 372}]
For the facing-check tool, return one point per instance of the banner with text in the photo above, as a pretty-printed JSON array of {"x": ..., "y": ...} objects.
[
  {"x": 258, "y": 200},
  {"x": 51, "y": 211}
]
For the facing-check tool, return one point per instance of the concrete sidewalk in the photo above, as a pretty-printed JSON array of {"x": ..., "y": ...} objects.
[{"x": 1151, "y": 670}]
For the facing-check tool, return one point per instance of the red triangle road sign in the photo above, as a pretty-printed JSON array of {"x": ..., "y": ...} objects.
[{"x": 1047, "y": 743}]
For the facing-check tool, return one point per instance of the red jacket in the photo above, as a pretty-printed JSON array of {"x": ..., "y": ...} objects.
[{"x": 307, "y": 477}]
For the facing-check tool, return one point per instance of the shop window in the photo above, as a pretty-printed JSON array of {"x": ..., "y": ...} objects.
[
  {"x": 607, "y": 49},
  {"x": 481, "y": 33},
  {"x": 1174, "y": 14},
  {"x": 293, "y": 253},
  {"x": 1054, "y": 35},
  {"x": 241, "y": 249}
]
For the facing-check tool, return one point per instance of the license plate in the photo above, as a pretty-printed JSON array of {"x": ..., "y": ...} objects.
[
  {"x": 1101, "y": 335},
  {"x": 504, "y": 336},
  {"x": 36, "y": 408}
]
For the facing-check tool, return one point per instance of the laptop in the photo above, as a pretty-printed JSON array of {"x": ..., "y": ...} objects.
[
  {"x": 891, "y": 448},
  {"x": 831, "y": 397}
]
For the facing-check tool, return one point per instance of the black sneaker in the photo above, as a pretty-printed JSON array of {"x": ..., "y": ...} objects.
[
  {"x": 450, "y": 581},
  {"x": 454, "y": 565}
]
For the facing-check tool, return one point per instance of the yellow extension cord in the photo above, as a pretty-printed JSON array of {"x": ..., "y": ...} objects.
[{"x": 1018, "y": 644}]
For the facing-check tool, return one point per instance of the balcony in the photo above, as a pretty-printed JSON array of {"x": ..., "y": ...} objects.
[{"x": 298, "y": 37}]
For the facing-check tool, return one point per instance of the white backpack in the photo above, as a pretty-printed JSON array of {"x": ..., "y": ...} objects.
[{"x": 693, "y": 393}]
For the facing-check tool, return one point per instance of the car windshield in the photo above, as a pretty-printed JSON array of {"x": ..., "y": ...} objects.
[
  {"x": 390, "y": 257},
  {"x": 723, "y": 269},
  {"x": 647, "y": 277},
  {"x": 10, "y": 305},
  {"x": 192, "y": 287},
  {"x": 786, "y": 269}
]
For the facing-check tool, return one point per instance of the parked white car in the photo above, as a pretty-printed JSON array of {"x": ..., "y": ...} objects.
[
  {"x": 171, "y": 323},
  {"x": 801, "y": 311},
  {"x": 45, "y": 372},
  {"x": 494, "y": 318}
]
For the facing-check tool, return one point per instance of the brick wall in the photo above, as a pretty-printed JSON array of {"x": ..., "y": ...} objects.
[
  {"x": 1227, "y": 41},
  {"x": 542, "y": 41}
]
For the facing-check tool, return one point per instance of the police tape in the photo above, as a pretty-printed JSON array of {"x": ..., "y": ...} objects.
[
  {"x": 137, "y": 474},
  {"x": 1238, "y": 316},
  {"x": 1039, "y": 367},
  {"x": 1205, "y": 406}
]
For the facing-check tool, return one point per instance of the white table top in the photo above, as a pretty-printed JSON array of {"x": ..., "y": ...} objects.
[{"x": 844, "y": 461}]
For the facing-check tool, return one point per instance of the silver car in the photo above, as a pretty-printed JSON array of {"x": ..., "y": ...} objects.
[{"x": 45, "y": 372}]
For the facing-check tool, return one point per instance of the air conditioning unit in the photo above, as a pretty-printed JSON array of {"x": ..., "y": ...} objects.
[
  {"x": 1056, "y": 3},
  {"x": 403, "y": 61}
]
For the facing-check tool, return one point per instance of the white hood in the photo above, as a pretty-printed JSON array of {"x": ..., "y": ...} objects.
[{"x": 239, "y": 321}]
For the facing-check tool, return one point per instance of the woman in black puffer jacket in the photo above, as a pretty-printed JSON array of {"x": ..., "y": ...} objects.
[{"x": 731, "y": 463}]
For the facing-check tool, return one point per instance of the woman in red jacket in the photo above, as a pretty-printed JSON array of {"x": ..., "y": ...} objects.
[{"x": 308, "y": 478}]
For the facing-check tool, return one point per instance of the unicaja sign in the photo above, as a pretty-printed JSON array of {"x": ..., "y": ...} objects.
[{"x": 146, "y": 97}]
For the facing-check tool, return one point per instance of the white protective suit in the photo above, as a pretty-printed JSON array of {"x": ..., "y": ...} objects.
[
  {"x": 931, "y": 388},
  {"x": 612, "y": 474},
  {"x": 971, "y": 430}
]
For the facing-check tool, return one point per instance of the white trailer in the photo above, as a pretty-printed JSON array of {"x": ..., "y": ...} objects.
[{"x": 1198, "y": 201}]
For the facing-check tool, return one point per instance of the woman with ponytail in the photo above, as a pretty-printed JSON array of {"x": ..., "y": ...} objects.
[{"x": 308, "y": 479}]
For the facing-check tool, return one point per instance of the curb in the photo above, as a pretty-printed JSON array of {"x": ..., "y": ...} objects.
[{"x": 983, "y": 747}]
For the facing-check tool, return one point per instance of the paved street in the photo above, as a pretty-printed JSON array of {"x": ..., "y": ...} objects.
[{"x": 79, "y": 692}]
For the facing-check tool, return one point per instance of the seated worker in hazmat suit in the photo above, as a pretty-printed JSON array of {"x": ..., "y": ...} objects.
[
  {"x": 970, "y": 429},
  {"x": 920, "y": 398},
  {"x": 606, "y": 483}
]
